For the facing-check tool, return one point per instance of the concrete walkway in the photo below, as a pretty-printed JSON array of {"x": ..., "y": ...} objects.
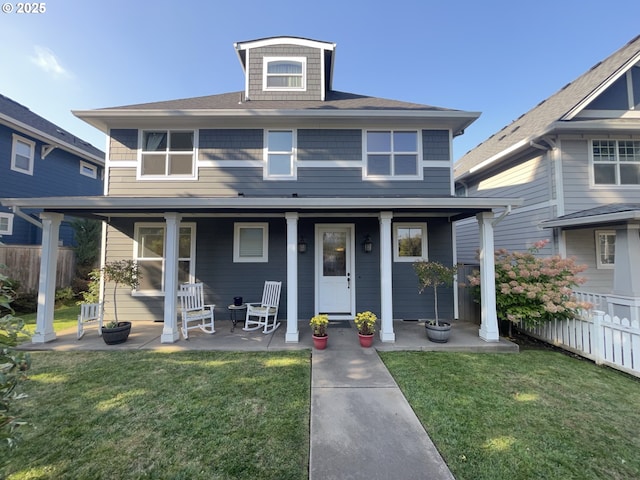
[{"x": 361, "y": 424}]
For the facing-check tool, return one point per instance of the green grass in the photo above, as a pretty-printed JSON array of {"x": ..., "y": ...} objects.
[
  {"x": 64, "y": 317},
  {"x": 537, "y": 415},
  {"x": 180, "y": 415}
]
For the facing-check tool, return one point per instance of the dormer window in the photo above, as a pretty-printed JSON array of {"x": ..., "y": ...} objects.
[{"x": 284, "y": 73}]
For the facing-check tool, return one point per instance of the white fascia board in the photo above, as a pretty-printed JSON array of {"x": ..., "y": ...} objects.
[
  {"x": 261, "y": 203},
  {"x": 45, "y": 137},
  {"x": 265, "y": 42},
  {"x": 602, "y": 87},
  {"x": 633, "y": 215}
]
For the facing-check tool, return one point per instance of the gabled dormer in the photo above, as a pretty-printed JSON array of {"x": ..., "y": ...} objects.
[{"x": 286, "y": 68}]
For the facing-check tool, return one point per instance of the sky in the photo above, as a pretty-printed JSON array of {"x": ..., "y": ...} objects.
[{"x": 497, "y": 57}]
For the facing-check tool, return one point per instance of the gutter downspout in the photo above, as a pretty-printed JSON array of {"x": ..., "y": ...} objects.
[
  {"x": 497, "y": 220},
  {"x": 16, "y": 210}
]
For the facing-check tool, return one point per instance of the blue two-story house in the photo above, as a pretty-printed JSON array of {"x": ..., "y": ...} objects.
[
  {"x": 38, "y": 158},
  {"x": 335, "y": 194}
]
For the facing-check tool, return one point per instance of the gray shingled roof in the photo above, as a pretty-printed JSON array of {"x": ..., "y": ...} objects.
[
  {"x": 20, "y": 113},
  {"x": 538, "y": 120},
  {"x": 613, "y": 213},
  {"x": 602, "y": 210},
  {"x": 235, "y": 101}
]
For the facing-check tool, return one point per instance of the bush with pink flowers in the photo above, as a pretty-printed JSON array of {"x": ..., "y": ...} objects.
[{"x": 532, "y": 289}]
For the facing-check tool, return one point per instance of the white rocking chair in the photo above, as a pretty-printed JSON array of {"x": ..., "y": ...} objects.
[
  {"x": 265, "y": 313},
  {"x": 90, "y": 313},
  {"x": 195, "y": 313}
]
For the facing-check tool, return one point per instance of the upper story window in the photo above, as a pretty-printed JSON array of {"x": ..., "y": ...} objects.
[
  {"x": 280, "y": 155},
  {"x": 616, "y": 162},
  {"x": 22, "y": 154},
  {"x": 167, "y": 154},
  {"x": 6, "y": 223},
  {"x": 88, "y": 170},
  {"x": 284, "y": 73},
  {"x": 392, "y": 154}
]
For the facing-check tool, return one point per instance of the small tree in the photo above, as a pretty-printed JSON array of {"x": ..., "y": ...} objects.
[
  {"x": 13, "y": 365},
  {"x": 121, "y": 271},
  {"x": 434, "y": 275},
  {"x": 532, "y": 289}
]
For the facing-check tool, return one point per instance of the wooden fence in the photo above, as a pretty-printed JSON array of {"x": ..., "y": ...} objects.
[
  {"x": 607, "y": 340},
  {"x": 22, "y": 263}
]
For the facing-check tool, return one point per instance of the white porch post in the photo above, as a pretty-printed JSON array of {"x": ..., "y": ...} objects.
[
  {"x": 489, "y": 319},
  {"x": 170, "y": 332},
  {"x": 625, "y": 298},
  {"x": 386, "y": 294},
  {"x": 292, "y": 335},
  {"x": 47, "y": 284}
]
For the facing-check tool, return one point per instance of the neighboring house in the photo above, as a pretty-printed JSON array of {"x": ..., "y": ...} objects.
[
  {"x": 575, "y": 160},
  {"x": 332, "y": 193},
  {"x": 38, "y": 158}
]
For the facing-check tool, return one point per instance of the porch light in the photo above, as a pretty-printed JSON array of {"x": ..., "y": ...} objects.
[
  {"x": 302, "y": 245},
  {"x": 367, "y": 244}
]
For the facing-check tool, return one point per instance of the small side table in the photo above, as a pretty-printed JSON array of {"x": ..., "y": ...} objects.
[{"x": 233, "y": 309}]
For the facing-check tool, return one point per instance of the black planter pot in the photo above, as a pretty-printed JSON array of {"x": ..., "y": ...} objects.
[
  {"x": 438, "y": 333},
  {"x": 119, "y": 334}
]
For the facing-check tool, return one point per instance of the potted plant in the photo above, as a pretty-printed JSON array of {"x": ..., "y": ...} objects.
[
  {"x": 319, "y": 325},
  {"x": 120, "y": 272},
  {"x": 434, "y": 275},
  {"x": 366, "y": 324}
]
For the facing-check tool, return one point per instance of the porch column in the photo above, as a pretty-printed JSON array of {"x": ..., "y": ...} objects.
[
  {"x": 47, "y": 284},
  {"x": 170, "y": 332},
  {"x": 292, "y": 335},
  {"x": 489, "y": 319},
  {"x": 386, "y": 294},
  {"x": 625, "y": 298}
]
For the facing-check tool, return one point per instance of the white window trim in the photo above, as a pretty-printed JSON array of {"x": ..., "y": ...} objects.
[
  {"x": 167, "y": 177},
  {"x": 32, "y": 147},
  {"x": 419, "y": 158},
  {"x": 9, "y": 230},
  {"x": 265, "y": 63},
  {"x": 425, "y": 252},
  {"x": 599, "y": 264},
  {"x": 236, "y": 242},
  {"x": 88, "y": 170},
  {"x": 163, "y": 226},
  {"x": 294, "y": 155},
  {"x": 617, "y": 163}
]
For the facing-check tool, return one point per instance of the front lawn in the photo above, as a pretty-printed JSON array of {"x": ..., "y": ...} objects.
[
  {"x": 179, "y": 415},
  {"x": 64, "y": 317},
  {"x": 537, "y": 415}
]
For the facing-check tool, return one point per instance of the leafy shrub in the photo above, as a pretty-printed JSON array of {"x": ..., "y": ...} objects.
[{"x": 533, "y": 289}]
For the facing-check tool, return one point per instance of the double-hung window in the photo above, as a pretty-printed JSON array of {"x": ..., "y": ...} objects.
[
  {"x": 167, "y": 154},
  {"x": 284, "y": 73},
  {"x": 616, "y": 162},
  {"x": 605, "y": 248},
  {"x": 149, "y": 254},
  {"x": 280, "y": 155},
  {"x": 409, "y": 242},
  {"x": 22, "y": 155},
  {"x": 392, "y": 154}
]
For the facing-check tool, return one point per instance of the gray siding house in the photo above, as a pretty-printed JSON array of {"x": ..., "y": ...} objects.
[
  {"x": 335, "y": 194},
  {"x": 575, "y": 161}
]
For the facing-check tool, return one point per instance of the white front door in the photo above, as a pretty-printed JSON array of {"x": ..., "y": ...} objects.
[{"x": 335, "y": 280}]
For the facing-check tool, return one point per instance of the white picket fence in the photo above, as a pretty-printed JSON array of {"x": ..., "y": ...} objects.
[{"x": 607, "y": 340}]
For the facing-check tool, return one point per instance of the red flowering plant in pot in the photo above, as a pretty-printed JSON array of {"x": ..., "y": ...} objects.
[
  {"x": 319, "y": 325},
  {"x": 366, "y": 324}
]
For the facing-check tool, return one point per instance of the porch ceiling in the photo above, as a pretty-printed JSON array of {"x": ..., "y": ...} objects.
[{"x": 455, "y": 208}]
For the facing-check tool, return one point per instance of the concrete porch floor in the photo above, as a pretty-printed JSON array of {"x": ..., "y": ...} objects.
[{"x": 145, "y": 335}]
